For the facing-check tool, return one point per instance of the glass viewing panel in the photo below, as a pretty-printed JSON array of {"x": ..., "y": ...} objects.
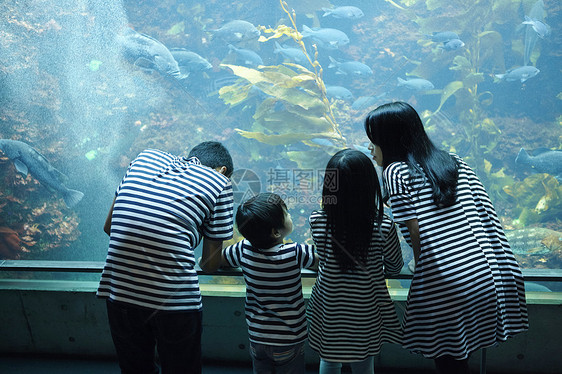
[{"x": 90, "y": 84}]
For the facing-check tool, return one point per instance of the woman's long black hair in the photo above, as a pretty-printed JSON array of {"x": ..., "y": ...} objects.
[
  {"x": 398, "y": 130},
  {"x": 351, "y": 198}
]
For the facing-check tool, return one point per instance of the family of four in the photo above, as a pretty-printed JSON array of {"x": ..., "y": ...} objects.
[{"x": 467, "y": 290}]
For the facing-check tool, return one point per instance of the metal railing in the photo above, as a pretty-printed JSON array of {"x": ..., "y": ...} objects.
[{"x": 534, "y": 275}]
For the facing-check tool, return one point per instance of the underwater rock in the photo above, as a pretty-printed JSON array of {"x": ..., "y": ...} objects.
[
  {"x": 9, "y": 244},
  {"x": 534, "y": 241}
]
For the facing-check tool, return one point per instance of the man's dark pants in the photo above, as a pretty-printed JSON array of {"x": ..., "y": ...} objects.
[{"x": 137, "y": 331}]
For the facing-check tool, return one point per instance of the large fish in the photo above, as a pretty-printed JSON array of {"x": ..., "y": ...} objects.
[
  {"x": 416, "y": 84},
  {"x": 519, "y": 74},
  {"x": 354, "y": 68},
  {"x": 443, "y": 36},
  {"x": 237, "y": 31},
  {"x": 349, "y": 12},
  {"x": 189, "y": 62},
  {"x": 338, "y": 92},
  {"x": 326, "y": 38},
  {"x": 27, "y": 159},
  {"x": 544, "y": 160},
  {"x": 541, "y": 28},
  {"x": 294, "y": 54},
  {"x": 148, "y": 53},
  {"x": 245, "y": 57},
  {"x": 366, "y": 101},
  {"x": 452, "y": 45}
]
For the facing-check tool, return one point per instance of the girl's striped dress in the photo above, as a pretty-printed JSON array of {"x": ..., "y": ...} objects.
[{"x": 351, "y": 314}]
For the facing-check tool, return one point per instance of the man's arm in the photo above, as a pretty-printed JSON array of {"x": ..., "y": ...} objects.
[
  {"x": 107, "y": 225},
  {"x": 211, "y": 256}
]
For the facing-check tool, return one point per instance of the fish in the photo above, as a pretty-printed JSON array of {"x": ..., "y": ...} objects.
[
  {"x": 542, "y": 29},
  {"x": 364, "y": 149},
  {"x": 443, "y": 36},
  {"x": 338, "y": 92},
  {"x": 531, "y": 36},
  {"x": 27, "y": 159},
  {"x": 543, "y": 160},
  {"x": 189, "y": 62},
  {"x": 519, "y": 74},
  {"x": 246, "y": 57},
  {"x": 348, "y": 12},
  {"x": 452, "y": 45},
  {"x": 416, "y": 84},
  {"x": 325, "y": 37},
  {"x": 293, "y": 54},
  {"x": 355, "y": 68},
  {"x": 237, "y": 31},
  {"x": 366, "y": 101},
  {"x": 148, "y": 53}
]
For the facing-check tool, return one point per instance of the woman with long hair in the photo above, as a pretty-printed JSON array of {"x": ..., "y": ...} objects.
[{"x": 467, "y": 291}]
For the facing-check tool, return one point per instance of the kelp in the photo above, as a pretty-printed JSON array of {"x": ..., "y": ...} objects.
[
  {"x": 538, "y": 198},
  {"x": 296, "y": 108},
  {"x": 476, "y": 23}
]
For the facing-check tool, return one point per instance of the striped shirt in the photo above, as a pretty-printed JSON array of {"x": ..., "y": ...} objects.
[
  {"x": 163, "y": 206},
  {"x": 275, "y": 310},
  {"x": 467, "y": 292},
  {"x": 350, "y": 313}
]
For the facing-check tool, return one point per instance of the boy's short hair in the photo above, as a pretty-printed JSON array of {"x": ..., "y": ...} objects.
[
  {"x": 213, "y": 155},
  {"x": 258, "y": 216}
]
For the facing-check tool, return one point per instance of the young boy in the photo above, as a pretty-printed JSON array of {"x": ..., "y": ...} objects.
[
  {"x": 275, "y": 310},
  {"x": 162, "y": 209}
]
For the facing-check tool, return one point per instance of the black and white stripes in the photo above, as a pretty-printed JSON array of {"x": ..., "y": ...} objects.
[
  {"x": 275, "y": 310},
  {"x": 163, "y": 206},
  {"x": 467, "y": 292},
  {"x": 351, "y": 314}
]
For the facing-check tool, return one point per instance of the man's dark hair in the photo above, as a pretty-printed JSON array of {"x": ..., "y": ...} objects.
[
  {"x": 213, "y": 155},
  {"x": 258, "y": 216}
]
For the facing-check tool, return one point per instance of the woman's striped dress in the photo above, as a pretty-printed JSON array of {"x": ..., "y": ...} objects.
[
  {"x": 351, "y": 314},
  {"x": 467, "y": 292}
]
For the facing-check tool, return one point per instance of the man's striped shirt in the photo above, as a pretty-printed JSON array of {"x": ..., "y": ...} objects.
[{"x": 163, "y": 207}]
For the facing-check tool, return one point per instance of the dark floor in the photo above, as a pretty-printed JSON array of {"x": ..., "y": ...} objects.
[{"x": 45, "y": 365}]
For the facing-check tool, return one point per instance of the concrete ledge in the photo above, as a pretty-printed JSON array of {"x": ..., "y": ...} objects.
[{"x": 66, "y": 318}]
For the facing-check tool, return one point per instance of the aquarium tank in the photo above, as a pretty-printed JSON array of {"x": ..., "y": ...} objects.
[{"x": 86, "y": 85}]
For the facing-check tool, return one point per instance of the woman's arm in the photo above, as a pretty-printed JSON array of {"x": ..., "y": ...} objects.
[{"x": 414, "y": 229}]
